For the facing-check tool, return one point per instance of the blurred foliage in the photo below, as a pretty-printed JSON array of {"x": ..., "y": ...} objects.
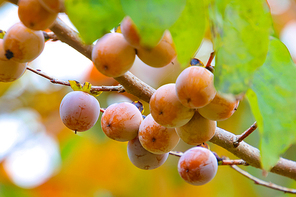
[
  {"x": 238, "y": 28},
  {"x": 276, "y": 75},
  {"x": 88, "y": 17},
  {"x": 153, "y": 17},
  {"x": 187, "y": 42}
]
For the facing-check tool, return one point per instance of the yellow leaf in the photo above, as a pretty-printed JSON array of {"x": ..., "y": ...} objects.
[
  {"x": 96, "y": 93},
  {"x": 2, "y": 33},
  {"x": 75, "y": 85},
  {"x": 86, "y": 87}
]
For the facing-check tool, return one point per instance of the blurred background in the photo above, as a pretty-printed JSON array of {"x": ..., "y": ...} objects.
[{"x": 39, "y": 156}]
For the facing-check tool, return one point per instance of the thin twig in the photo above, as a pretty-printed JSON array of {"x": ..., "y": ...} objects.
[
  {"x": 94, "y": 89},
  {"x": 212, "y": 55},
  {"x": 176, "y": 153},
  {"x": 208, "y": 65},
  {"x": 245, "y": 134},
  {"x": 233, "y": 162},
  {"x": 226, "y": 161},
  {"x": 52, "y": 80},
  {"x": 263, "y": 183},
  {"x": 119, "y": 89}
]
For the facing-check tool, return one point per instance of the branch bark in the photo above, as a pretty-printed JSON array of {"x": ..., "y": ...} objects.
[
  {"x": 251, "y": 154},
  {"x": 143, "y": 91}
]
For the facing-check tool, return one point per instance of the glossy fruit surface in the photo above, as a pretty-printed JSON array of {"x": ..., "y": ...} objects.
[
  {"x": 79, "y": 111},
  {"x": 121, "y": 121},
  {"x": 198, "y": 130},
  {"x": 197, "y": 166},
  {"x": 34, "y": 16},
  {"x": 166, "y": 109},
  {"x": 142, "y": 158},
  {"x": 160, "y": 55},
  {"x": 195, "y": 87},
  {"x": 112, "y": 55},
  {"x": 9, "y": 69},
  {"x": 156, "y": 138},
  {"x": 219, "y": 108},
  {"x": 22, "y": 44}
]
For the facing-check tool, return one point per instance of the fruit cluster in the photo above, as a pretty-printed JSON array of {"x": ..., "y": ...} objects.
[
  {"x": 24, "y": 41},
  {"x": 192, "y": 106},
  {"x": 149, "y": 141},
  {"x": 187, "y": 109},
  {"x": 114, "y": 53}
]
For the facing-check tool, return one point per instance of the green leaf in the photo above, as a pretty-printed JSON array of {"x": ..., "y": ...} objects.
[
  {"x": 273, "y": 102},
  {"x": 241, "y": 31},
  {"x": 189, "y": 30},
  {"x": 93, "y": 19},
  {"x": 152, "y": 17}
]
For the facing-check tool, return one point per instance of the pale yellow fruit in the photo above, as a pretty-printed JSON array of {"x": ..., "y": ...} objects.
[{"x": 198, "y": 130}]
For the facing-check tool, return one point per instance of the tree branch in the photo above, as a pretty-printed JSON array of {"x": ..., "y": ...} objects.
[
  {"x": 143, "y": 91},
  {"x": 69, "y": 36},
  {"x": 251, "y": 154},
  {"x": 233, "y": 162},
  {"x": 263, "y": 183},
  {"x": 176, "y": 153}
]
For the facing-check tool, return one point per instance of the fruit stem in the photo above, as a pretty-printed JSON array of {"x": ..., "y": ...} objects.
[
  {"x": 209, "y": 66},
  {"x": 245, "y": 134},
  {"x": 212, "y": 55}
]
